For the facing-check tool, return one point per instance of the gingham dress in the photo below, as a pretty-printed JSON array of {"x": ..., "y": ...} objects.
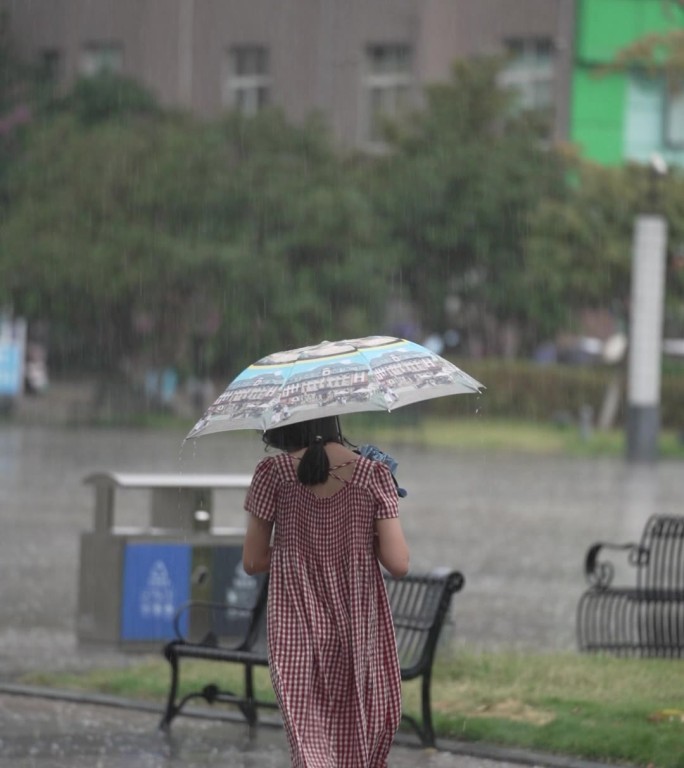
[{"x": 332, "y": 651}]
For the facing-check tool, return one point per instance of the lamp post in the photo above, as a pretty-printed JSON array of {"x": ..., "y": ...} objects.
[{"x": 646, "y": 325}]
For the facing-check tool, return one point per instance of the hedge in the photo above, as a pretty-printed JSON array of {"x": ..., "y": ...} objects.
[{"x": 529, "y": 391}]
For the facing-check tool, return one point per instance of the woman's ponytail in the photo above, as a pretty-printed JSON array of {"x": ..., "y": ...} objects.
[
  {"x": 312, "y": 435},
  {"x": 314, "y": 465}
]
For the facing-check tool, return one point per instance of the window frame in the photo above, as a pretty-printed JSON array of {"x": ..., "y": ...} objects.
[
  {"x": 531, "y": 71},
  {"x": 95, "y": 48},
  {"x": 668, "y": 141},
  {"x": 51, "y": 65},
  {"x": 253, "y": 85},
  {"x": 398, "y": 84}
]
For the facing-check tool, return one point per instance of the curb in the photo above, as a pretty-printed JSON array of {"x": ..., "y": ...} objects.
[
  {"x": 471, "y": 749},
  {"x": 516, "y": 755}
]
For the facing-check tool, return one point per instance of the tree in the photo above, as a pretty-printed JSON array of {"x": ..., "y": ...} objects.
[
  {"x": 154, "y": 239},
  {"x": 16, "y": 92},
  {"x": 310, "y": 233},
  {"x": 107, "y": 96},
  {"x": 457, "y": 192},
  {"x": 579, "y": 245}
]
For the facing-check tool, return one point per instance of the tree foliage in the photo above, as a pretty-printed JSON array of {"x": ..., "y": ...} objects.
[
  {"x": 106, "y": 96},
  {"x": 457, "y": 192},
  {"x": 579, "y": 245},
  {"x": 147, "y": 238},
  {"x": 143, "y": 235},
  {"x": 16, "y": 86}
]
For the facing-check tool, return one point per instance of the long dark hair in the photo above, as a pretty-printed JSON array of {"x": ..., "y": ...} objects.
[{"x": 313, "y": 435}]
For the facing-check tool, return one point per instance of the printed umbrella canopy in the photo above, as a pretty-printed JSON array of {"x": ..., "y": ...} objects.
[{"x": 375, "y": 373}]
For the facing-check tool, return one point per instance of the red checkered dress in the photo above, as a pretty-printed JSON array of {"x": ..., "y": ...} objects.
[{"x": 332, "y": 651}]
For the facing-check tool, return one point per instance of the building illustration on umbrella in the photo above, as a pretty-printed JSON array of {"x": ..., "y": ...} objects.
[{"x": 333, "y": 378}]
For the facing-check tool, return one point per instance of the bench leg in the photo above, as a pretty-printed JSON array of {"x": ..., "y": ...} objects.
[
  {"x": 427, "y": 733},
  {"x": 248, "y": 706},
  {"x": 171, "y": 709},
  {"x": 423, "y": 728}
]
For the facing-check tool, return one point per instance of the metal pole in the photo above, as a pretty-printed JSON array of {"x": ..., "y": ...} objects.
[{"x": 645, "y": 338}]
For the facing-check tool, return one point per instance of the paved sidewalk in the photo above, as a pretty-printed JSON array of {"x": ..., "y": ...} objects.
[{"x": 40, "y": 732}]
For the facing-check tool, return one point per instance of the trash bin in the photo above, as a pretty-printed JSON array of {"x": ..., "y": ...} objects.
[{"x": 132, "y": 580}]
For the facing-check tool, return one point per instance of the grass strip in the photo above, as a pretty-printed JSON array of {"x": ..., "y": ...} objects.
[
  {"x": 500, "y": 436},
  {"x": 593, "y": 707}
]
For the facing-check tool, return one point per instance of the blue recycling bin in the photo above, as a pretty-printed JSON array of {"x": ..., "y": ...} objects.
[
  {"x": 133, "y": 580},
  {"x": 156, "y": 580}
]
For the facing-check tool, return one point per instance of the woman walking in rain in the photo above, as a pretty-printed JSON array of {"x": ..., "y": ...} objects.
[{"x": 332, "y": 651}]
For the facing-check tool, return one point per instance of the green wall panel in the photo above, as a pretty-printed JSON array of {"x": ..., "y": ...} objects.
[
  {"x": 597, "y": 116},
  {"x": 605, "y": 26},
  {"x": 598, "y": 105}
]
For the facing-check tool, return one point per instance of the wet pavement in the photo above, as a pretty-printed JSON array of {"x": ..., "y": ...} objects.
[
  {"x": 41, "y": 733},
  {"x": 46, "y": 734},
  {"x": 516, "y": 526}
]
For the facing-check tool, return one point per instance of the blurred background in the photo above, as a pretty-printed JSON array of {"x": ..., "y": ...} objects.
[{"x": 188, "y": 185}]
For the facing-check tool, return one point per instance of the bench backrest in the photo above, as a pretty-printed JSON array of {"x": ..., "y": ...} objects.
[
  {"x": 227, "y": 624},
  {"x": 419, "y": 605},
  {"x": 660, "y": 560}
]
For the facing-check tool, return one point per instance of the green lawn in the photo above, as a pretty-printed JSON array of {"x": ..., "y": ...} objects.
[
  {"x": 593, "y": 707},
  {"x": 493, "y": 435}
]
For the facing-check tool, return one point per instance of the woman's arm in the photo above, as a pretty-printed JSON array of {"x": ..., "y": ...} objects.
[
  {"x": 391, "y": 547},
  {"x": 256, "y": 550}
]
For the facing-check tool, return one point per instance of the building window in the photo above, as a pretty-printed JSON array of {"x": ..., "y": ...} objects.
[
  {"x": 530, "y": 72},
  {"x": 654, "y": 116},
  {"x": 97, "y": 58},
  {"x": 50, "y": 67},
  {"x": 388, "y": 86},
  {"x": 674, "y": 115},
  {"x": 643, "y": 125},
  {"x": 248, "y": 79}
]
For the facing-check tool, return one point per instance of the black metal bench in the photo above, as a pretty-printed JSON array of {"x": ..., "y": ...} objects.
[
  {"x": 646, "y": 619},
  {"x": 419, "y": 602}
]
